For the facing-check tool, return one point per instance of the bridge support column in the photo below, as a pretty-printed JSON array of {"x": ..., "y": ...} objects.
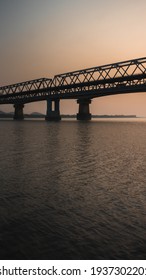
[
  {"x": 53, "y": 114},
  {"x": 18, "y": 114},
  {"x": 84, "y": 112}
]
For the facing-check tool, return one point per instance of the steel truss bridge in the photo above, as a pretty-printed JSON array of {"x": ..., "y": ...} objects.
[{"x": 83, "y": 85}]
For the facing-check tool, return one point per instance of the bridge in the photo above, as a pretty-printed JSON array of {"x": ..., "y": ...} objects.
[{"x": 83, "y": 85}]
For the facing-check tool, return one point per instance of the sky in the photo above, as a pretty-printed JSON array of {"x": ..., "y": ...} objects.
[{"x": 42, "y": 38}]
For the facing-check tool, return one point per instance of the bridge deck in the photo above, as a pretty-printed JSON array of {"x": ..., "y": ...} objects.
[{"x": 121, "y": 77}]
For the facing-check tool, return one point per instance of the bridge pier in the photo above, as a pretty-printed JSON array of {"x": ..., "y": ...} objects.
[
  {"x": 18, "y": 114},
  {"x": 84, "y": 111},
  {"x": 53, "y": 114}
]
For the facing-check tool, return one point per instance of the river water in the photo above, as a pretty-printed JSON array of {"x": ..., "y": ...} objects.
[{"x": 73, "y": 190}]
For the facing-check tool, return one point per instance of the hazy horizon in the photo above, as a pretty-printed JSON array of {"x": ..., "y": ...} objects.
[{"x": 45, "y": 38}]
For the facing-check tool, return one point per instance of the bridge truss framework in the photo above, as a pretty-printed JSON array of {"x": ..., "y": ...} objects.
[{"x": 83, "y": 85}]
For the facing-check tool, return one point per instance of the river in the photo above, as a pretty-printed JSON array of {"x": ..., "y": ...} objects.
[{"x": 73, "y": 190}]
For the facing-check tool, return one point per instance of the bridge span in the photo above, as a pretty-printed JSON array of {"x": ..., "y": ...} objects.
[{"x": 83, "y": 85}]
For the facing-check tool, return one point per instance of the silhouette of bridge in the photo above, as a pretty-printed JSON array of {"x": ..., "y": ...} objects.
[{"x": 83, "y": 85}]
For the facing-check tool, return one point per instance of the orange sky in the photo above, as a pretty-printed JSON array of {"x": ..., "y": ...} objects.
[{"x": 41, "y": 38}]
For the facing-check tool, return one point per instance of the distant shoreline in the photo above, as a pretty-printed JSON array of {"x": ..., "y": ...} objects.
[
  {"x": 103, "y": 116},
  {"x": 34, "y": 116}
]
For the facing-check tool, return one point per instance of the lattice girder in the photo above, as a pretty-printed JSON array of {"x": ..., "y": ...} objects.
[
  {"x": 111, "y": 76},
  {"x": 116, "y": 70},
  {"x": 28, "y": 86}
]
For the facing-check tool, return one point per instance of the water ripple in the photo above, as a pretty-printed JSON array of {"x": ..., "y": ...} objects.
[{"x": 73, "y": 190}]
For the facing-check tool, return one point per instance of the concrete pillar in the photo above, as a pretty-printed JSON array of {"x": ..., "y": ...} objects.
[
  {"x": 53, "y": 115},
  {"x": 84, "y": 112},
  {"x": 18, "y": 114}
]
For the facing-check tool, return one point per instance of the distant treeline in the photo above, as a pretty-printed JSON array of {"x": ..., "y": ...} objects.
[
  {"x": 102, "y": 116},
  {"x": 114, "y": 116},
  {"x": 39, "y": 115}
]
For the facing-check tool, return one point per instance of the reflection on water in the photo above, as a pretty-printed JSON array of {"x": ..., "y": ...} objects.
[{"x": 73, "y": 190}]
